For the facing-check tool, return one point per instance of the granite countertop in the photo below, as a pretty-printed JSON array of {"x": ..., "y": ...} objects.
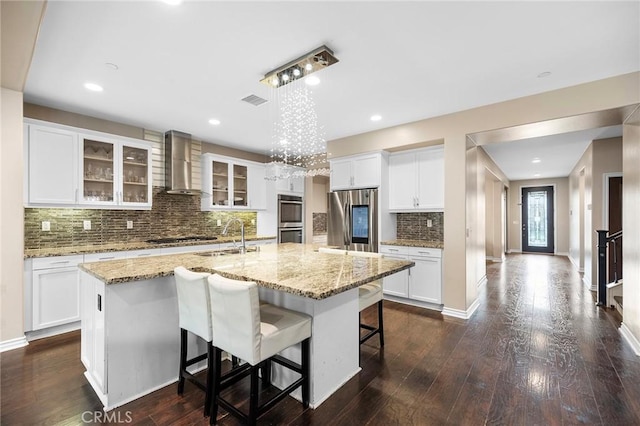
[
  {"x": 131, "y": 245},
  {"x": 414, "y": 243},
  {"x": 293, "y": 268}
]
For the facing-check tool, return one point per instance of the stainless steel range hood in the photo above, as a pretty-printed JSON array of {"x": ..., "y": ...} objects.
[{"x": 177, "y": 163}]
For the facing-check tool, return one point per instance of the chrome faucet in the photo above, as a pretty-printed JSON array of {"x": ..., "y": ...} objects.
[{"x": 243, "y": 248}]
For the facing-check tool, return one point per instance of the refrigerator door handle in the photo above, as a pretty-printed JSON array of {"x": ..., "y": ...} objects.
[{"x": 347, "y": 224}]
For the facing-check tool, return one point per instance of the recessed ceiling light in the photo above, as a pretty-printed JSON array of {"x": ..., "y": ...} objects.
[
  {"x": 214, "y": 122},
  {"x": 536, "y": 160},
  {"x": 93, "y": 87},
  {"x": 544, "y": 74},
  {"x": 376, "y": 117},
  {"x": 312, "y": 80},
  {"x": 111, "y": 66},
  {"x": 536, "y": 175}
]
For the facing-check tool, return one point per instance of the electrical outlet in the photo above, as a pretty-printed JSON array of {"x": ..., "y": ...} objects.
[
  {"x": 86, "y": 225},
  {"x": 253, "y": 221},
  {"x": 219, "y": 222},
  {"x": 46, "y": 225},
  {"x": 429, "y": 223},
  {"x": 129, "y": 224}
]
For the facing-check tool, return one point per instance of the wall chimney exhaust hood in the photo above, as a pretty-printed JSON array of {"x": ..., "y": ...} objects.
[{"x": 177, "y": 163}]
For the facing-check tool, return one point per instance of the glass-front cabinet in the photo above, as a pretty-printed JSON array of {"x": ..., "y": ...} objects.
[
  {"x": 229, "y": 183},
  {"x": 115, "y": 172}
]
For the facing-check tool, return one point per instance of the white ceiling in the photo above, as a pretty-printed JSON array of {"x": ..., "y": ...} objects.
[
  {"x": 181, "y": 65},
  {"x": 557, "y": 153}
]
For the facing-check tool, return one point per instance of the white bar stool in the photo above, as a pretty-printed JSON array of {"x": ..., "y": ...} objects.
[
  {"x": 368, "y": 294},
  {"x": 255, "y": 333},
  {"x": 195, "y": 317}
]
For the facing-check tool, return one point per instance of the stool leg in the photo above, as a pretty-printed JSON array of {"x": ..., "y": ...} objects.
[
  {"x": 265, "y": 366},
  {"x": 253, "y": 398},
  {"x": 235, "y": 361},
  {"x": 306, "y": 385},
  {"x": 210, "y": 374},
  {"x": 380, "y": 324},
  {"x": 215, "y": 385},
  {"x": 183, "y": 360}
]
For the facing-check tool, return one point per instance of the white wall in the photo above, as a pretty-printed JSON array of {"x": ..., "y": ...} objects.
[
  {"x": 631, "y": 229},
  {"x": 11, "y": 217}
]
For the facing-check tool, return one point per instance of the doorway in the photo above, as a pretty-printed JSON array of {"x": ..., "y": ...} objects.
[
  {"x": 537, "y": 219},
  {"x": 614, "y": 221}
]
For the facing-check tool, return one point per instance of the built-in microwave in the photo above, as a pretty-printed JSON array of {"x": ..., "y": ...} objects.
[{"x": 289, "y": 211}]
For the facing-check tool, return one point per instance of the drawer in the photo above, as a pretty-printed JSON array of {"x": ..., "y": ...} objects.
[
  {"x": 102, "y": 257},
  {"x": 142, "y": 253},
  {"x": 56, "y": 262},
  {"x": 394, "y": 250},
  {"x": 427, "y": 252}
]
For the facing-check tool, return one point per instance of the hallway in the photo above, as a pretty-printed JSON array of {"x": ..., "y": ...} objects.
[{"x": 537, "y": 351}]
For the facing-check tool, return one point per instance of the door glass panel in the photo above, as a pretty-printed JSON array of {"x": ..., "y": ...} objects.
[
  {"x": 134, "y": 175},
  {"x": 220, "y": 181},
  {"x": 239, "y": 185},
  {"x": 98, "y": 171},
  {"x": 537, "y": 223}
]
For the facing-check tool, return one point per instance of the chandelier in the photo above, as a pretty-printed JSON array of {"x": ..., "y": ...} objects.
[{"x": 297, "y": 137}]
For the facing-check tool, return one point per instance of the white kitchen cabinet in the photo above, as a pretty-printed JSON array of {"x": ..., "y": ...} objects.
[
  {"x": 230, "y": 183},
  {"x": 425, "y": 282},
  {"x": 55, "y": 291},
  {"x": 52, "y": 166},
  {"x": 289, "y": 179},
  {"x": 71, "y": 167},
  {"x": 417, "y": 180},
  {"x": 422, "y": 284},
  {"x": 115, "y": 172},
  {"x": 398, "y": 283},
  {"x": 362, "y": 171}
]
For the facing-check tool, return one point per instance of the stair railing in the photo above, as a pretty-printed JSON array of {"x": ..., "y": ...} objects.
[{"x": 603, "y": 243}]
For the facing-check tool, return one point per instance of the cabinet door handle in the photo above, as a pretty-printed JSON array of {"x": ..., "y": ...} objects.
[
  {"x": 144, "y": 254},
  {"x": 99, "y": 302},
  {"x": 417, "y": 202},
  {"x": 60, "y": 262},
  {"x": 76, "y": 196},
  {"x": 106, "y": 258},
  {"x": 392, "y": 249}
]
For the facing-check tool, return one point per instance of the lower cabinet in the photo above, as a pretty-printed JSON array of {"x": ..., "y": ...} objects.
[
  {"x": 55, "y": 291},
  {"x": 92, "y": 350},
  {"x": 420, "y": 285}
]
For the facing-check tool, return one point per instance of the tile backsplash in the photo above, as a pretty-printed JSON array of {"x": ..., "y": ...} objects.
[
  {"x": 413, "y": 226},
  {"x": 319, "y": 223},
  {"x": 171, "y": 215}
]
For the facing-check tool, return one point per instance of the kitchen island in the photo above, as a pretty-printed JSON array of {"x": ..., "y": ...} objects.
[{"x": 130, "y": 334}]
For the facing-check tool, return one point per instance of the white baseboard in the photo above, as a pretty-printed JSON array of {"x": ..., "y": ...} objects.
[
  {"x": 52, "y": 331},
  {"x": 630, "y": 338},
  {"x": 495, "y": 259},
  {"x": 458, "y": 313},
  {"x": 514, "y": 251},
  {"x": 482, "y": 281},
  {"x": 418, "y": 303},
  {"x": 587, "y": 282},
  {"x": 573, "y": 262},
  {"x": 18, "y": 342},
  {"x": 562, "y": 253}
]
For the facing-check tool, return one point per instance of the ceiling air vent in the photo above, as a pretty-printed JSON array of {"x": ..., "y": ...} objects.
[{"x": 254, "y": 100}]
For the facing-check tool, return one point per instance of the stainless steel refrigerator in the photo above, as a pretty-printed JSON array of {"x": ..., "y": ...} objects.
[{"x": 352, "y": 219}]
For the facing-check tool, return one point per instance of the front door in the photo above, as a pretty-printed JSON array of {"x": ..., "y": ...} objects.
[{"x": 537, "y": 219}]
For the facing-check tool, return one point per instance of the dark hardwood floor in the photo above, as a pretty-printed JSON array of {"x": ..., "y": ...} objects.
[{"x": 537, "y": 352}]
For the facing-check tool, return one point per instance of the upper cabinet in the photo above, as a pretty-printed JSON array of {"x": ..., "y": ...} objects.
[
  {"x": 362, "y": 171},
  {"x": 115, "y": 172},
  {"x": 230, "y": 183},
  {"x": 417, "y": 180},
  {"x": 69, "y": 167},
  {"x": 52, "y": 164},
  {"x": 289, "y": 179}
]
